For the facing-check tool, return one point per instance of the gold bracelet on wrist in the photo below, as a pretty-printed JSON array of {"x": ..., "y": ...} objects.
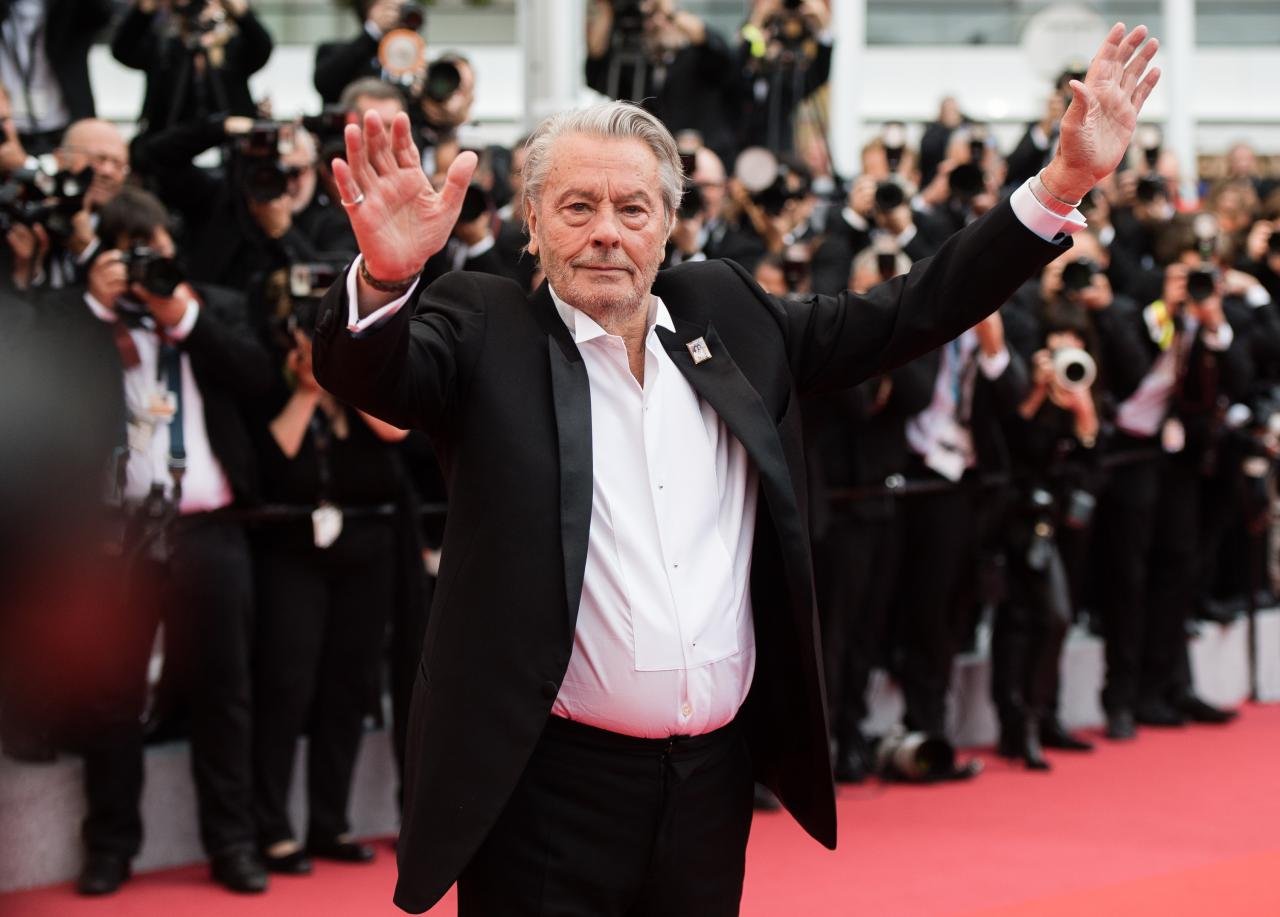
[{"x": 387, "y": 286}]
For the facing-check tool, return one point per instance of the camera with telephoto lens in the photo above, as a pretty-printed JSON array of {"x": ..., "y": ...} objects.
[
  {"x": 1073, "y": 368},
  {"x": 766, "y": 179},
  {"x": 442, "y": 80},
  {"x": 192, "y": 23},
  {"x": 1078, "y": 275},
  {"x": 1202, "y": 280},
  {"x": 794, "y": 36},
  {"x": 152, "y": 271},
  {"x": 42, "y": 197},
  {"x": 917, "y": 757}
]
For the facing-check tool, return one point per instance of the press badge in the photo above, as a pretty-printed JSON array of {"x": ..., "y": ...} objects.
[
  {"x": 326, "y": 524},
  {"x": 161, "y": 405}
]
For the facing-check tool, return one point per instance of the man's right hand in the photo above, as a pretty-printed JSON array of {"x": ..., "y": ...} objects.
[
  {"x": 398, "y": 219},
  {"x": 108, "y": 278}
]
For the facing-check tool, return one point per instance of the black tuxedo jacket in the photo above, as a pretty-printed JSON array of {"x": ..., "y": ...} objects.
[{"x": 495, "y": 378}]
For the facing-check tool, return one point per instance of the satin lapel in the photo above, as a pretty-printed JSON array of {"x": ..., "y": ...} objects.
[
  {"x": 571, "y": 397},
  {"x": 722, "y": 385}
]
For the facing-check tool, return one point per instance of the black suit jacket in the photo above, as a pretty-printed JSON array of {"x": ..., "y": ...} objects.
[{"x": 495, "y": 378}]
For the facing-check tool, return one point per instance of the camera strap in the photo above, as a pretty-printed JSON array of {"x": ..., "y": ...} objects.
[{"x": 169, "y": 371}]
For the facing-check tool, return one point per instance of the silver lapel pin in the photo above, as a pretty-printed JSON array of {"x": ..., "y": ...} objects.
[{"x": 698, "y": 350}]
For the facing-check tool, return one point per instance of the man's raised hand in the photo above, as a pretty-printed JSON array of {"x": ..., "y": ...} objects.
[
  {"x": 398, "y": 219},
  {"x": 1099, "y": 123}
]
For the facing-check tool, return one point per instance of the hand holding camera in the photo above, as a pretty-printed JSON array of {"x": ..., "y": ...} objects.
[{"x": 152, "y": 279}]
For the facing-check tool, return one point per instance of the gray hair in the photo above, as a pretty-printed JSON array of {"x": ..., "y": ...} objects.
[{"x": 606, "y": 120}]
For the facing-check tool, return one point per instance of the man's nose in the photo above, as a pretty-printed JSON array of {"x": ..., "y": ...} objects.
[{"x": 604, "y": 231}]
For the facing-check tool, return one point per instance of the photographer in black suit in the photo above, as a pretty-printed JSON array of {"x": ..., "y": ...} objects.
[
  {"x": 44, "y": 64},
  {"x": 668, "y": 60},
  {"x": 784, "y": 57},
  {"x": 174, "y": 361},
  {"x": 197, "y": 55}
]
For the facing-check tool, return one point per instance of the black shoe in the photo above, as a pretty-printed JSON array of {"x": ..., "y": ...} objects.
[
  {"x": 851, "y": 764},
  {"x": 342, "y": 851},
  {"x": 1010, "y": 742},
  {"x": 764, "y": 800},
  {"x": 288, "y": 864},
  {"x": 1053, "y": 735},
  {"x": 1158, "y": 713},
  {"x": 1198, "y": 711},
  {"x": 102, "y": 873},
  {"x": 1120, "y": 724},
  {"x": 239, "y": 871}
]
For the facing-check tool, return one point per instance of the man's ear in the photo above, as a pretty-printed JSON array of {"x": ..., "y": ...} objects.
[{"x": 531, "y": 223}]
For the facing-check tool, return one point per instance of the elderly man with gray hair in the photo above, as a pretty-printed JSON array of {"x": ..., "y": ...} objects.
[{"x": 623, "y": 633}]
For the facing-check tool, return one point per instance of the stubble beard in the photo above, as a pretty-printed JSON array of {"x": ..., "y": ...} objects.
[{"x": 610, "y": 310}]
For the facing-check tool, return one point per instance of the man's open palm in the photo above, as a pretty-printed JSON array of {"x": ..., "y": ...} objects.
[
  {"x": 1099, "y": 123},
  {"x": 398, "y": 219}
]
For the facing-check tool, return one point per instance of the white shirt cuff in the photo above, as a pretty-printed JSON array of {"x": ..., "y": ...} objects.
[
  {"x": 1219, "y": 339},
  {"x": 356, "y": 324},
  {"x": 993, "y": 365},
  {"x": 180, "y": 331},
  {"x": 1257, "y": 296},
  {"x": 1040, "y": 219}
]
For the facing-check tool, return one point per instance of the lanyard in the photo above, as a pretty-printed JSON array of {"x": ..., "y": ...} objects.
[
  {"x": 24, "y": 72},
  {"x": 169, "y": 371}
]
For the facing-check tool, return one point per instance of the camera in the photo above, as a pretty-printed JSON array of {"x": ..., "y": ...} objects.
[
  {"x": 890, "y": 195},
  {"x": 257, "y": 162},
  {"x": 152, "y": 271},
  {"x": 328, "y": 128},
  {"x": 1078, "y": 275},
  {"x": 31, "y": 197},
  {"x": 915, "y": 757},
  {"x": 442, "y": 80},
  {"x": 1149, "y": 188},
  {"x": 1202, "y": 283},
  {"x": 413, "y": 16},
  {"x": 476, "y": 202},
  {"x": 765, "y": 179},
  {"x": 192, "y": 24},
  {"x": 692, "y": 203},
  {"x": 1149, "y": 140},
  {"x": 796, "y": 267},
  {"x": 308, "y": 283},
  {"x": 1073, "y": 368}
]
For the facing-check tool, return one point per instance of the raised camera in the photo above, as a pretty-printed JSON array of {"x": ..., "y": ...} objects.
[
  {"x": 1078, "y": 275},
  {"x": 1202, "y": 283},
  {"x": 155, "y": 273}
]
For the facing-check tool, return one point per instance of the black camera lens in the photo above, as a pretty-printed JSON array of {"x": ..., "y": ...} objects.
[
  {"x": 966, "y": 181},
  {"x": 889, "y": 196},
  {"x": 1202, "y": 283},
  {"x": 1078, "y": 275},
  {"x": 152, "y": 271},
  {"x": 443, "y": 80}
]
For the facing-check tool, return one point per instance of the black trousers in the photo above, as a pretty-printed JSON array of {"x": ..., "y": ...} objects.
[
  {"x": 322, "y": 626},
  {"x": 204, "y": 597},
  {"x": 603, "y": 825},
  {"x": 1149, "y": 524},
  {"x": 857, "y": 563},
  {"x": 939, "y": 557},
  {"x": 1030, "y": 627}
]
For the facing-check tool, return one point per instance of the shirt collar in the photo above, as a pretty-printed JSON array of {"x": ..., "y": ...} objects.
[
  {"x": 584, "y": 328},
  {"x": 98, "y": 309}
]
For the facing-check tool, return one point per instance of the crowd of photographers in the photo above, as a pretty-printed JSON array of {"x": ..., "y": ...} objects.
[{"x": 1098, "y": 452}]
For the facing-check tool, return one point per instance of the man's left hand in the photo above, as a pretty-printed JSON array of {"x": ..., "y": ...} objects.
[{"x": 1100, "y": 121}]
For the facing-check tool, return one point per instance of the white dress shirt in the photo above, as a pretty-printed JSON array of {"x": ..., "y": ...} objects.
[
  {"x": 664, "y": 643},
  {"x": 204, "y": 484}
]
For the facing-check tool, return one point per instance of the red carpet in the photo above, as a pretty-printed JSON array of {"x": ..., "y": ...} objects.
[{"x": 1180, "y": 822}]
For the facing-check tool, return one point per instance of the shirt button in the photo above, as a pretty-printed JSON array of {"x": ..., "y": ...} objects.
[{"x": 686, "y": 710}]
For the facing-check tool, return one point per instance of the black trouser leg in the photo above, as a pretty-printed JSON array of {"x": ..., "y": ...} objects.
[
  {"x": 607, "y": 826},
  {"x": 361, "y": 590},
  {"x": 1124, "y": 529},
  {"x": 209, "y": 619},
  {"x": 293, "y": 609},
  {"x": 1174, "y": 571},
  {"x": 857, "y": 563},
  {"x": 937, "y": 544},
  {"x": 108, "y": 730}
]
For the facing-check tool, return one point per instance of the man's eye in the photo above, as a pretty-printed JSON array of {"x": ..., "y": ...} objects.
[
  {"x": 579, "y": 208},
  {"x": 633, "y": 210}
]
